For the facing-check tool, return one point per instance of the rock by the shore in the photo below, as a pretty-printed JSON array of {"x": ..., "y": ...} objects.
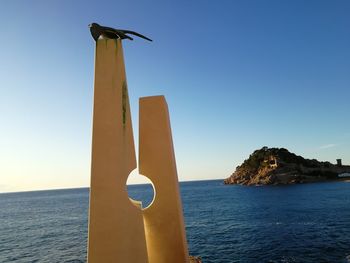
[
  {"x": 269, "y": 166},
  {"x": 195, "y": 259}
]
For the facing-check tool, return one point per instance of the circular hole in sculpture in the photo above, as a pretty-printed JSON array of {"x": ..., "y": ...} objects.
[{"x": 140, "y": 190}]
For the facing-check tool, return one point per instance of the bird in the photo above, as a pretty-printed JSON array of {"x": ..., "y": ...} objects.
[{"x": 113, "y": 33}]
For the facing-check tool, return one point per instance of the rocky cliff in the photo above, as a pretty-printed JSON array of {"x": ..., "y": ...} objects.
[{"x": 279, "y": 166}]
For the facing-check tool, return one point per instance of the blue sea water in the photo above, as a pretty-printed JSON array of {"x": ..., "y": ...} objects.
[{"x": 295, "y": 223}]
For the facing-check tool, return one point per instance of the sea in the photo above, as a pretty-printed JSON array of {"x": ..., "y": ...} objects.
[{"x": 224, "y": 223}]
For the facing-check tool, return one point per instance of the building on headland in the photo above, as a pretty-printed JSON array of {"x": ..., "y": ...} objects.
[
  {"x": 273, "y": 162},
  {"x": 343, "y": 170},
  {"x": 339, "y": 162}
]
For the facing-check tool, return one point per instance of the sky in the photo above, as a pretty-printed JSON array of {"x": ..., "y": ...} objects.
[{"x": 237, "y": 76}]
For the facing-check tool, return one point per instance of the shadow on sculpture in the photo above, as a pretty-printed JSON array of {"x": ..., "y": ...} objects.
[{"x": 120, "y": 230}]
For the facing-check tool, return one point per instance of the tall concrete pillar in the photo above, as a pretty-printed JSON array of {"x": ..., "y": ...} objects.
[{"x": 116, "y": 230}]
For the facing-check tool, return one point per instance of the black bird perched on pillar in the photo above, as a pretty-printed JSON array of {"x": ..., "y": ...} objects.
[{"x": 97, "y": 31}]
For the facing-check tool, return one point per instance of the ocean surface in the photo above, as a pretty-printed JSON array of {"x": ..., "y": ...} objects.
[{"x": 295, "y": 223}]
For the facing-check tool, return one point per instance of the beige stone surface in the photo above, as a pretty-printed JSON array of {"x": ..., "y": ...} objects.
[
  {"x": 116, "y": 231},
  {"x": 163, "y": 219}
]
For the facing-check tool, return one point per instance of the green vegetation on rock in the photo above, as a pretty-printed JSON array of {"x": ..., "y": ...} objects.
[{"x": 279, "y": 166}]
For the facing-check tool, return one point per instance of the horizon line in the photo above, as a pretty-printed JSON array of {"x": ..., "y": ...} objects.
[{"x": 83, "y": 187}]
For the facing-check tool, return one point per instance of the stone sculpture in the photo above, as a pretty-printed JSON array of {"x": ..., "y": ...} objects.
[{"x": 119, "y": 229}]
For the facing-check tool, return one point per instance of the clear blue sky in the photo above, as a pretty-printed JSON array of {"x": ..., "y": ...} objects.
[{"x": 237, "y": 75}]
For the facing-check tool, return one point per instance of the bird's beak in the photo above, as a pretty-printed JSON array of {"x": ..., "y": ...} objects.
[{"x": 90, "y": 25}]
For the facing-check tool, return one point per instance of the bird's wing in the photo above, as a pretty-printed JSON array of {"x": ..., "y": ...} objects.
[
  {"x": 117, "y": 32},
  {"x": 135, "y": 33},
  {"x": 122, "y": 33}
]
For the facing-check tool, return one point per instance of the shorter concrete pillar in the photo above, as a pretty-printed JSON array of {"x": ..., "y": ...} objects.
[{"x": 163, "y": 219}]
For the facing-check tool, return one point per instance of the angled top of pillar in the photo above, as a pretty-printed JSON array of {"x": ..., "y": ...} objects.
[{"x": 113, "y": 33}]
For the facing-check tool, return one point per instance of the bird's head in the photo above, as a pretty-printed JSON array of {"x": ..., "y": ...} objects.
[{"x": 93, "y": 25}]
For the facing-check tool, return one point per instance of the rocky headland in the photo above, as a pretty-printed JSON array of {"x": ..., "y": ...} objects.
[{"x": 273, "y": 166}]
